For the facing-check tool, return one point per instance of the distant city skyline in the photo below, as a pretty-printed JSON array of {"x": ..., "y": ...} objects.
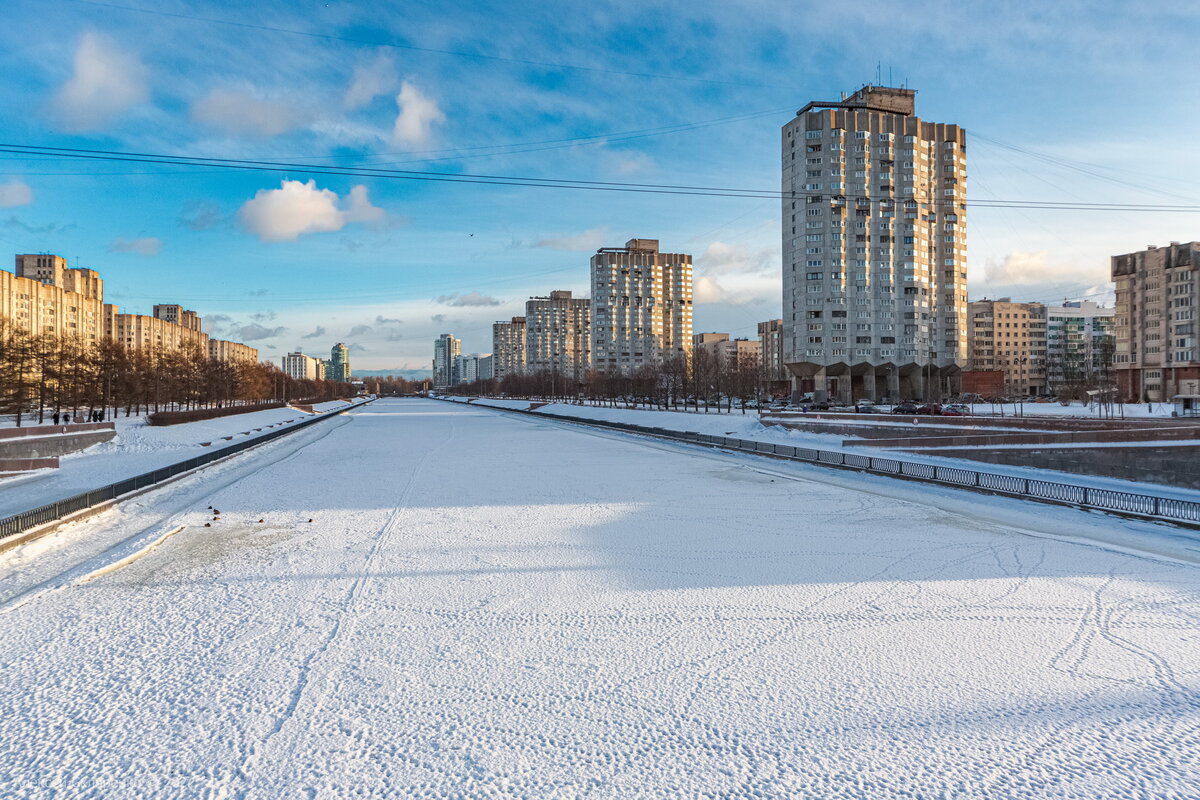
[{"x": 279, "y": 260}]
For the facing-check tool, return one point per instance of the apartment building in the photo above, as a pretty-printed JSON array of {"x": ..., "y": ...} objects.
[
  {"x": 302, "y": 367},
  {"x": 1080, "y": 345},
  {"x": 232, "y": 352},
  {"x": 729, "y": 353},
  {"x": 142, "y": 332},
  {"x": 770, "y": 342},
  {"x": 473, "y": 367},
  {"x": 1158, "y": 293},
  {"x": 641, "y": 306},
  {"x": 508, "y": 347},
  {"x": 1010, "y": 338},
  {"x": 45, "y": 296},
  {"x": 558, "y": 335},
  {"x": 445, "y": 349},
  {"x": 337, "y": 368},
  {"x": 178, "y": 315},
  {"x": 874, "y": 248}
]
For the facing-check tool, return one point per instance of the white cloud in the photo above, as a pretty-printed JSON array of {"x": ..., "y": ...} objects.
[
  {"x": 295, "y": 208},
  {"x": 1017, "y": 267},
  {"x": 728, "y": 273},
  {"x": 15, "y": 193},
  {"x": 370, "y": 81},
  {"x": 105, "y": 82},
  {"x": 143, "y": 245},
  {"x": 418, "y": 114},
  {"x": 243, "y": 114},
  {"x": 587, "y": 241}
]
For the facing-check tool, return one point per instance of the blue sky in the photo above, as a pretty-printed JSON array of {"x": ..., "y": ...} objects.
[{"x": 1100, "y": 96}]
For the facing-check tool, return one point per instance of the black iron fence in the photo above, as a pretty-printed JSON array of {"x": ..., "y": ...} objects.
[
  {"x": 1111, "y": 500},
  {"x": 26, "y": 520}
]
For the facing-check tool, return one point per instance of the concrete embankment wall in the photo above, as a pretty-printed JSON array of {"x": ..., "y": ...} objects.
[
  {"x": 48, "y": 441},
  {"x": 1172, "y": 466}
]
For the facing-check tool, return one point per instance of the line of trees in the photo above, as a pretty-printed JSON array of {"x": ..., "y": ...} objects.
[
  {"x": 702, "y": 380},
  {"x": 45, "y": 374}
]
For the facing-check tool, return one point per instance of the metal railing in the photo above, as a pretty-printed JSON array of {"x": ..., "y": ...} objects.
[
  {"x": 27, "y": 520},
  {"x": 1110, "y": 500}
]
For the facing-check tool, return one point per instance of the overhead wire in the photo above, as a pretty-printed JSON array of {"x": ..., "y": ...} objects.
[{"x": 258, "y": 165}]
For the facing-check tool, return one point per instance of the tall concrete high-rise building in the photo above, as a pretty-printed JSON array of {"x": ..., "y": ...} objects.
[
  {"x": 337, "y": 368},
  {"x": 874, "y": 248},
  {"x": 1158, "y": 294},
  {"x": 1008, "y": 337},
  {"x": 558, "y": 335},
  {"x": 178, "y": 315},
  {"x": 641, "y": 306},
  {"x": 473, "y": 367},
  {"x": 46, "y": 297},
  {"x": 445, "y": 349},
  {"x": 508, "y": 347}
]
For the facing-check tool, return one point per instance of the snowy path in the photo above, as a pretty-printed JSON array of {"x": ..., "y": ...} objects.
[{"x": 495, "y": 606}]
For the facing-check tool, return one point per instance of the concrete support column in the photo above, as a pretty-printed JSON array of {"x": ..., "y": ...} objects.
[
  {"x": 893, "y": 384},
  {"x": 917, "y": 381},
  {"x": 869, "y": 385}
]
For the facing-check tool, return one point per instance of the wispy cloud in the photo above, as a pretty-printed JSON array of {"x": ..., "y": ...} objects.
[
  {"x": 468, "y": 299},
  {"x": 418, "y": 114},
  {"x": 243, "y": 113},
  {"x": 142, "y": 245},
  {"x": 15, "y": 193},
  {"x": 106, "y": 81},
  {"x": 371, "y": 80},
  {"x": 316, "y": 333},
  {"x": 254, "y": 332},
  {"x": 589, "y": 240}
]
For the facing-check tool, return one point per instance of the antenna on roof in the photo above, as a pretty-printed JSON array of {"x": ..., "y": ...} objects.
[{"x": 878, "y": 72}]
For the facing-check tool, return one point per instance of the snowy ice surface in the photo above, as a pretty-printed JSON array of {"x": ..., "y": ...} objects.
[
  {"x": 139, "y": 448},
  {"x": 748, "y": 427},
  {"x": 493, "y": 605}
]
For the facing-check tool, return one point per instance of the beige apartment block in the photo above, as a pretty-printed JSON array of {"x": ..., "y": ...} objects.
[
  {"x": 730, "y": 353},
  {"x": 1158, "y": 295},
  {"x": 558, "y": 335},
  {"x": 302, "y": 367},
  {"x": 178, "y": 315},
  {"x": 874, "y": 248},
  {"x": 141, "y": 332},
  {"x": 770, "y": 341},
  {"x": 45, "y": 296},
  {"x": 233, "y": 352},
  {"x": 641, "y": 306},
  {"x": 1011, "y": 338},
  {"x": 508, "y": 347}
]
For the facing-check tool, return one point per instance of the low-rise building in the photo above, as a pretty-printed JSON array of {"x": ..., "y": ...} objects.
[{"x": 729, "y": 353}]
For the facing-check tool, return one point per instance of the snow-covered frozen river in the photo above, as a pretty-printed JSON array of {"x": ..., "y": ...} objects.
[{"x": 422, "y": 599}]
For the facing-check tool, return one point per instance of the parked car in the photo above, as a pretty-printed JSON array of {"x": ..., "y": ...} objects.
[
  {"x": 867, "y": 408},
  {"x": 930, "y": 409},
  {"x": 818, "y": 406},
  {"x": 906, "y": 408},
  {"x": 956, "y": 410}
]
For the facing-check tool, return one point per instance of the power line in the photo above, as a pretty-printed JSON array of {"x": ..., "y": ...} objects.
[
  {"x": 254, "y": 165},
  {"x": 529, "y": 62}
]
